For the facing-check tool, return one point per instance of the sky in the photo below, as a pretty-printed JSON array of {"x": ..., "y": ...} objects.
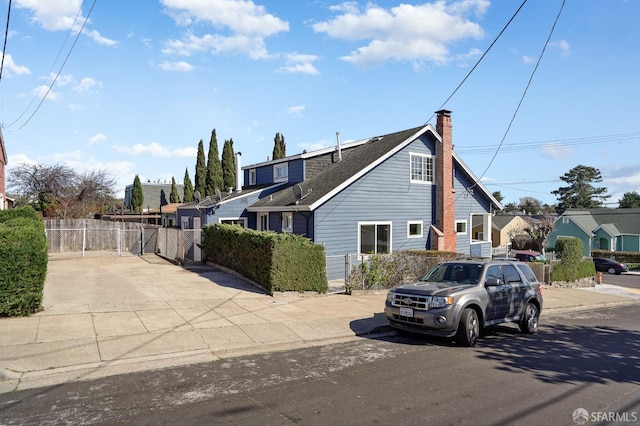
[{"x": 132, "y": 87}]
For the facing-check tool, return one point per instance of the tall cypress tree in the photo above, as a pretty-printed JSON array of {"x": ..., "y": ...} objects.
[
  {"x": 228, "y": 165},
  {"x": 279, "y": 147},
  {"x": 214, "y": 168},
  {"x": 188, "y": 187},
  {"x": 137, "y": 196},
  {"x": 174, "y": 197},
  {"x": 201, "y": 171}
]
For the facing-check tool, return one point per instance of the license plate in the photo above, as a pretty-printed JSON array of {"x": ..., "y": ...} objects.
[{"x": 406, "y": 312}]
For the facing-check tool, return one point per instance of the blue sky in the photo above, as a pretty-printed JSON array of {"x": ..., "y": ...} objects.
[{"x": 139, "y": 84}]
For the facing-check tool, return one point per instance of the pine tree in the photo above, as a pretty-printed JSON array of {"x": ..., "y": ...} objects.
[
  {"x": 580, "y": 194},
  {"x": 137, "y": 196},
  {"x": 279, "y": 147},
  {"x": 214, "y": 168},
  {"x": 201, "y": 171},
  {"x": 228, "y": 165},
  {"x": 173, "y": 196},
  {"x": 188, "y": 187}
]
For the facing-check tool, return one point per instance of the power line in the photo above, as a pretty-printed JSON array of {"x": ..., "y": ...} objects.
[
  {"x": 480, "y": 60},
  {"x": 6, "y": 36},
  {"x": 61, "y": 66},
  {"x": 35, "y": 95},
  {"x": 526, "y": 89}
]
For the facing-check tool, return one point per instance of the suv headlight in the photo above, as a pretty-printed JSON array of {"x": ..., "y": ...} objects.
[
  {"x": 390, "y": 296},
  {"x": 441, "y": 301}
]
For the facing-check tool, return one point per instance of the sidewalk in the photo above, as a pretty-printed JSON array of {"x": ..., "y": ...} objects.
[{"x": 106, "y": 315}]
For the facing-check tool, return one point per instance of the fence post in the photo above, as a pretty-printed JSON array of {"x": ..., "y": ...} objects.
[
  {"x": 84, "y": 238},
  {"x": 141, "y": 241},
  {"x": 119, "y": 241}
]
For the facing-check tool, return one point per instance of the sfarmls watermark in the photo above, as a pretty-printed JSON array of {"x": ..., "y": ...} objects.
[{"x": 582, "y": 416}]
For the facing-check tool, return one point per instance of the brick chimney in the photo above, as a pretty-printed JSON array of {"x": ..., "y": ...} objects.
[{"x": 445, "y": 220}]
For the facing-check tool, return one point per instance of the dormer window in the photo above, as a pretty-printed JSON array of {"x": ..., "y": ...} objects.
[
  {"x": 252, "y": 176},
  {"x": 280, "y": 172}
]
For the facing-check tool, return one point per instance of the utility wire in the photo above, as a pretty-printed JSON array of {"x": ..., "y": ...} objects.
[
  {"x": 61, "y": 66},
  {"x": 6, "y": 36},
  {"x": 515, "y": 113},
  {"x": 480, "y": 60},
  {"x": 35, "y": 95}
]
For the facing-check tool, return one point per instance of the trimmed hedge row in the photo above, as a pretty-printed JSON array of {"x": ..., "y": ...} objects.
[
  {"x": 620, "y": 256},
  {"x": 278, "y": 262},
  {"x": 23, "y": 261}
]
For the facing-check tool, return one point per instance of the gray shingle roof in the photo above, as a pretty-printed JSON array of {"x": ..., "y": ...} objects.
[
  {"x": 320, "y": 185},
  {"x": 627, "y": 221}
]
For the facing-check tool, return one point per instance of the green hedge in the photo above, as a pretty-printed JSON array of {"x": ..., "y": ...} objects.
[
  {"x": 571, "y": 267},
  {"x": 278, "y": 262},
  {"x": 23, "y": 261},
  {"x": 620, "y": 256}
]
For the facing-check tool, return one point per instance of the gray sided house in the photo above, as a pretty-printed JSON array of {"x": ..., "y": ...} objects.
[
  {"x": 400, "y": 191},
  {"x": 155, "y": 195},
  {"x": 600, "y": 229}
]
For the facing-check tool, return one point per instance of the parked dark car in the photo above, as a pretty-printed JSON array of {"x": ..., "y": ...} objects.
[
  {"x": 460, "y": 298},
  {"x": 609, "y": 266},
  {"x": 530, "y": 256}
]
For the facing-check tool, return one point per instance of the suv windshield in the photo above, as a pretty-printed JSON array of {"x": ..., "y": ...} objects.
[{"x": 454, "y": 273}]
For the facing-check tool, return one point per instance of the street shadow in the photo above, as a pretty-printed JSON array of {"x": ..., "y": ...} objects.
[{"x": 566, "y": 354}]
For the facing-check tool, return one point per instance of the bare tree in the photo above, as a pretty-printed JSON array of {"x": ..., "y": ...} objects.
[
  {"x": 540, "y": 231},
  {"x": 60, "y": 191}
]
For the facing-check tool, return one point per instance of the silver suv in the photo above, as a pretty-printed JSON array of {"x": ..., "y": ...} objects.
[{"x": 459, "y": 298}]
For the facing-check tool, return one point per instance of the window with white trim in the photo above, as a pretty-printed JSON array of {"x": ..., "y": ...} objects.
[
  {"x": 252, "y": 176},
  {"x": 414, "y": 229},
  {"x": 461, "y": 226},
  {"x": 374, "y": 237},
  {"x": 287, "y": 222},
  {"x": 281, "y": 172},
  {"x": 263, "y": 221},
  {"x": 421, "y": 169},
  {"x": 240, "y": 221},
  {"x": 565, "y": 219}
]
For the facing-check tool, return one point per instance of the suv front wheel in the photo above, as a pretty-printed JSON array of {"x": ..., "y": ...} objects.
[{"x": 469, "y": 328}]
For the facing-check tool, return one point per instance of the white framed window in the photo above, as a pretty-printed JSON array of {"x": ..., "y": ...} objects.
[
  {"x": 240, "y": 221},
  {"x": 421, "y": 168},
  {"x": 565, "y": 219},
  {"x": 374, "y": 237},
  {"x": 263, "y": 221},
  {"x": 287, "y": 222},
  {"x": 414, "y": 229},
  {"x": 252, "y": 176},
  {"x": 461, "y": 226},
  {"x": 281, "y": 172}
]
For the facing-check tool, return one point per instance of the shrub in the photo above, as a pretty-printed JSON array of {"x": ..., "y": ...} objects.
[
  {"x": 23, "y": 261},
  {"x": 380, "y": 271},
  {"x": 277, "y": 262},
  {"x": 571, "y": 266}
]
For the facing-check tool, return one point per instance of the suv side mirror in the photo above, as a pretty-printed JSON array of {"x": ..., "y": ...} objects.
[{"x": 493, "y": 282}]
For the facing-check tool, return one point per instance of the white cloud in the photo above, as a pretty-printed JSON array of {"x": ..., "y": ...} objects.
[
  {"x": 97, "y": 138},
  {"x": 156, "y": 150},
  {"x": 61, "y": 15},
  {"x": 300, "y": 64},
  {"x": 527, "y": 59},
  {"x": 240, "y": 17},
  {"x": 11, "y": 68},
  {"x": 405, "y": 32},
  {"x": 252, "y": 47},
  {"x": 41, "y": 92},
  {"x": 557, "y": 151},
  {"x": 86, "y": 84},
  {"x": 296, "y": 111},
  {"x": 176, "y": 66},
  {"x": 563, "y": 46},
  {"x": 242, "y": 27}
]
